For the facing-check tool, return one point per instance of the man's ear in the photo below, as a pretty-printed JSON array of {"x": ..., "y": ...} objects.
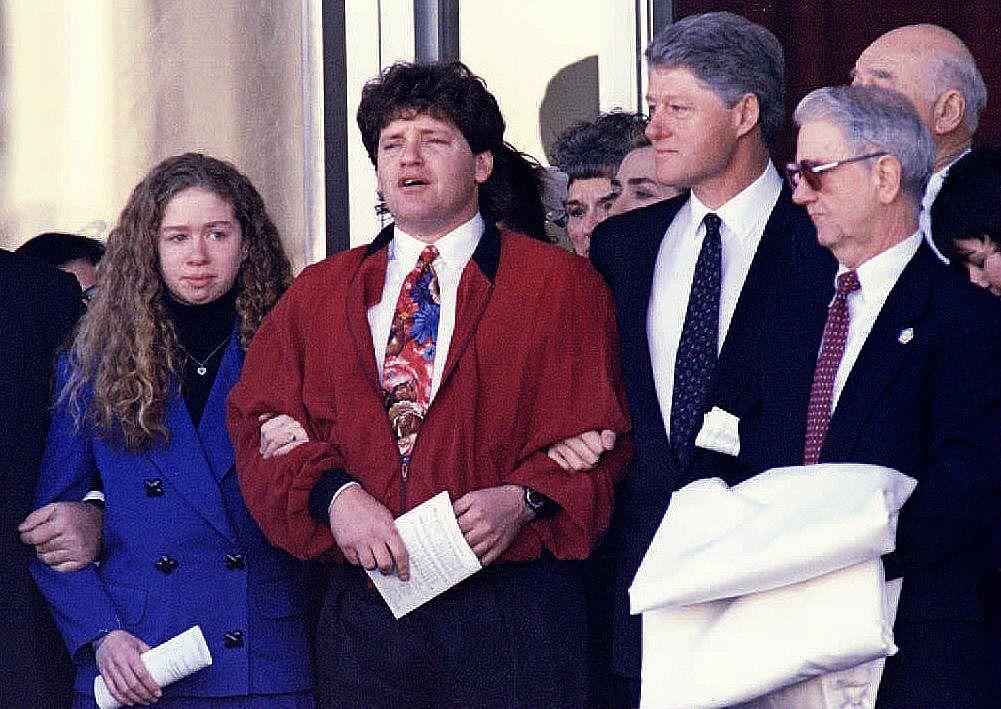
[
  {"x": 484, "y": 166},
  {"x": 948, "y": 112},
  {"x": 746, "y": 114},
  {"x": 887, "y": 174}
]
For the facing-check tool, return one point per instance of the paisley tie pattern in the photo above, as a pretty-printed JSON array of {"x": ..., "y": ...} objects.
[
  {"x": 698, "y": 353},
  {"x": 409, "y": 363},
  {"x": 832, "y": 349}
]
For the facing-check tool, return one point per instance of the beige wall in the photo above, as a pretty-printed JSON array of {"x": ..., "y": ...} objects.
[{"x": 96, "y": 92}]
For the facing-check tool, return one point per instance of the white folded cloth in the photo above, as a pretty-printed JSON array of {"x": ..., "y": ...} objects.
[
  {"x": 780, "y": 527},
  {"x": 749, "y": 589}
]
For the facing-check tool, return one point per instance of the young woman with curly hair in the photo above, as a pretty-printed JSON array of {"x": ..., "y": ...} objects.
[{"x": 193, "y": 266}]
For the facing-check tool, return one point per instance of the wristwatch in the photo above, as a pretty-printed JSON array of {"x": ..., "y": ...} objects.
[{"x": 540, "y": 505}]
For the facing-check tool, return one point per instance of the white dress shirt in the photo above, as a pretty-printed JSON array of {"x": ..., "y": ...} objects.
[
  {"x": 877, "y": 277},
  {"x": 932, "y": 189},
  {"x": 743, "y": 222},
  {"x": 454, "y": 251}
]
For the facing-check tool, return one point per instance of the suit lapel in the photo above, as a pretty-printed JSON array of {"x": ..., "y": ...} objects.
[
  {"x": 881, "y": 355},
  {"x": 364, "y": 291},
  {"x": 212, "y": 429},
  {"x": 473, "y": 295},
  {"x": 183, "y": 462},
  {"x": 632, "y": 306}
]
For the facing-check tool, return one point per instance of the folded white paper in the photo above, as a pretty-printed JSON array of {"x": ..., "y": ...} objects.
[
  {"x": 168, "y": 662},
  {"x": 781, "y": 527},
  {"x": 439, "y": 555},
  {"x": 720, "y": 432}
]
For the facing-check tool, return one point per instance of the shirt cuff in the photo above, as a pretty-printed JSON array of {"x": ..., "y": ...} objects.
[
  {"x": 95, "y": 497},
  {"x": 328, "y": 486}
]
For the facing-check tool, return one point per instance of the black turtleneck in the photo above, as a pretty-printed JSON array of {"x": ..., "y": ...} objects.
[{"x": 202, "y": 331}]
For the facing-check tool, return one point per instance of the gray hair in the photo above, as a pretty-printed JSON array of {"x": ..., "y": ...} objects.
[
  {"x": 586, "y": 150},
  {"x": 732, "y": 56},
  {"x": 872, "y": 119},
  {"x": 952, "y": 71}
]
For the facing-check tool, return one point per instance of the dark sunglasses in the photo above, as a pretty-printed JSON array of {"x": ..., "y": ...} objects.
[{"x": 811, "y": 171}]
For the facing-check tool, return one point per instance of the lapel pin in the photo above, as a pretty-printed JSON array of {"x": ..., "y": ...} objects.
[{"x": 906, "y": 335}]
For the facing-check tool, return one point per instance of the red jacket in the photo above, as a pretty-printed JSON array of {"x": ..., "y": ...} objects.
[{"x": 533, "y": 360}]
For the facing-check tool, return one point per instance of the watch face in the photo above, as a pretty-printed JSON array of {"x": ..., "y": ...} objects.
[{"x": 533, "y": 499}]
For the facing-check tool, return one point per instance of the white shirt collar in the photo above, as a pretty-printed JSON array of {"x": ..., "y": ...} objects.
[
  {"x": 743, "y": 212},
  {"x": 937, "y": 179},
  {"x": 879, "y": 274},
  {"x": 454, "y": 248}
]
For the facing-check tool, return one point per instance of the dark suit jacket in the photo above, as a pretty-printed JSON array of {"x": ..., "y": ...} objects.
[
  {"x": 38, "y": 306},
  {"x": 624, "y": 250},
  {"x": 930, "y": 407}
]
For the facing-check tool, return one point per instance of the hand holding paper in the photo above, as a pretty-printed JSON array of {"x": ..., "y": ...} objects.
[
  {"x": 175, "y": 659},
  {"x": 439, "y": 556}
]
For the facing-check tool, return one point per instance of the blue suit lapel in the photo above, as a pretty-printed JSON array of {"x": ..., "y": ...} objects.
[
  {"x": 881, "y": 355},
  {"x": 183, "y": 461},
  {"x": 212, "y": 430}
]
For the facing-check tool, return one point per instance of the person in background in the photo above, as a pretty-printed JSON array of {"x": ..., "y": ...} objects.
[
  {"x": 193, "y": 266},
  {"x": 934, "y": 69},
  {"x": 635, "y": 184},
  {"x": 516, "y": 191},
  {"x": 38, "y": 307},
  {"x": 966, "y": 217},
  {"x": 72, "y": 253},
  {"x": 966, "y": 222},
  {"x": 590, "y": 155}
]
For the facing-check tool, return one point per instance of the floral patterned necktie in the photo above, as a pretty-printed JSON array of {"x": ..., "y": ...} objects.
[
  {"x": 409, "y": 363},
  {"x": 695, "y": 363},
  {"x": 832, "y": 349}
]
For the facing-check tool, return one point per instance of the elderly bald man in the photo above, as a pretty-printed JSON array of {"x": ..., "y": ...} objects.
[{"x": 934, "y": 69}]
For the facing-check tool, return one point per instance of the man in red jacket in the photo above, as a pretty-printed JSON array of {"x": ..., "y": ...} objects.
[{"x": 445, "y": 356}]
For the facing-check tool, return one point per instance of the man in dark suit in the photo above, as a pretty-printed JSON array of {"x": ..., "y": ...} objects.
[
  {"x": 38, "y": 306},
  {"x": 689, "y": 275},
  {"x": 906, "y": 377}
]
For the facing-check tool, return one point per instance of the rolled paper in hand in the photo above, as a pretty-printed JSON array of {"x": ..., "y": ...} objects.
[{"x": 168, "y": 662}]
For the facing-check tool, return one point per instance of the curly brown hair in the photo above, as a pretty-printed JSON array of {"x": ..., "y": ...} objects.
[{"x": 125, "y": 349}]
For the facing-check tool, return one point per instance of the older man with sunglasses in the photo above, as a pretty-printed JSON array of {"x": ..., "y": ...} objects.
[{"x": 898, "y": 369}]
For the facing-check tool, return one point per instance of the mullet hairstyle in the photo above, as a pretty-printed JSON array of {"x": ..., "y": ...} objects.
[
  {"x": 449, "y": 92},
  {"x": 124, "y": 355}
]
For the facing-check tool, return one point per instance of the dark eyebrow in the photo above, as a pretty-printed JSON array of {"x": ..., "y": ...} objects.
[{"x": 635, "y": 181}]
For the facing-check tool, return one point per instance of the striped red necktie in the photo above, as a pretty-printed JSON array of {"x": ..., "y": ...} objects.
[{"x": 832, "y": 349}]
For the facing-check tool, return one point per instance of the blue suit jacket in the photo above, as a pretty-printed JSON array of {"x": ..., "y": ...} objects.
[
  {"x": 624, "y": 250},
  {"x": 923, "y": 397},
  {"x": 178, "y": 500}
]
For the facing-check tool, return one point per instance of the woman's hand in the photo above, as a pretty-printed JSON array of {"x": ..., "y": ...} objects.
[
  {"x": 124, "y": 673},
  {"x": 280, "y": 434}
]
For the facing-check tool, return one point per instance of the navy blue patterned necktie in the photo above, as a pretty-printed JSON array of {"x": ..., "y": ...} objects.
[{"x": 695, "y": 364}]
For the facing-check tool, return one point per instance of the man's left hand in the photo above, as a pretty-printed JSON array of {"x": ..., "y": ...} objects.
[
  {"x": 491, "y": 518},
  {"x": 66, "y": 535}
]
